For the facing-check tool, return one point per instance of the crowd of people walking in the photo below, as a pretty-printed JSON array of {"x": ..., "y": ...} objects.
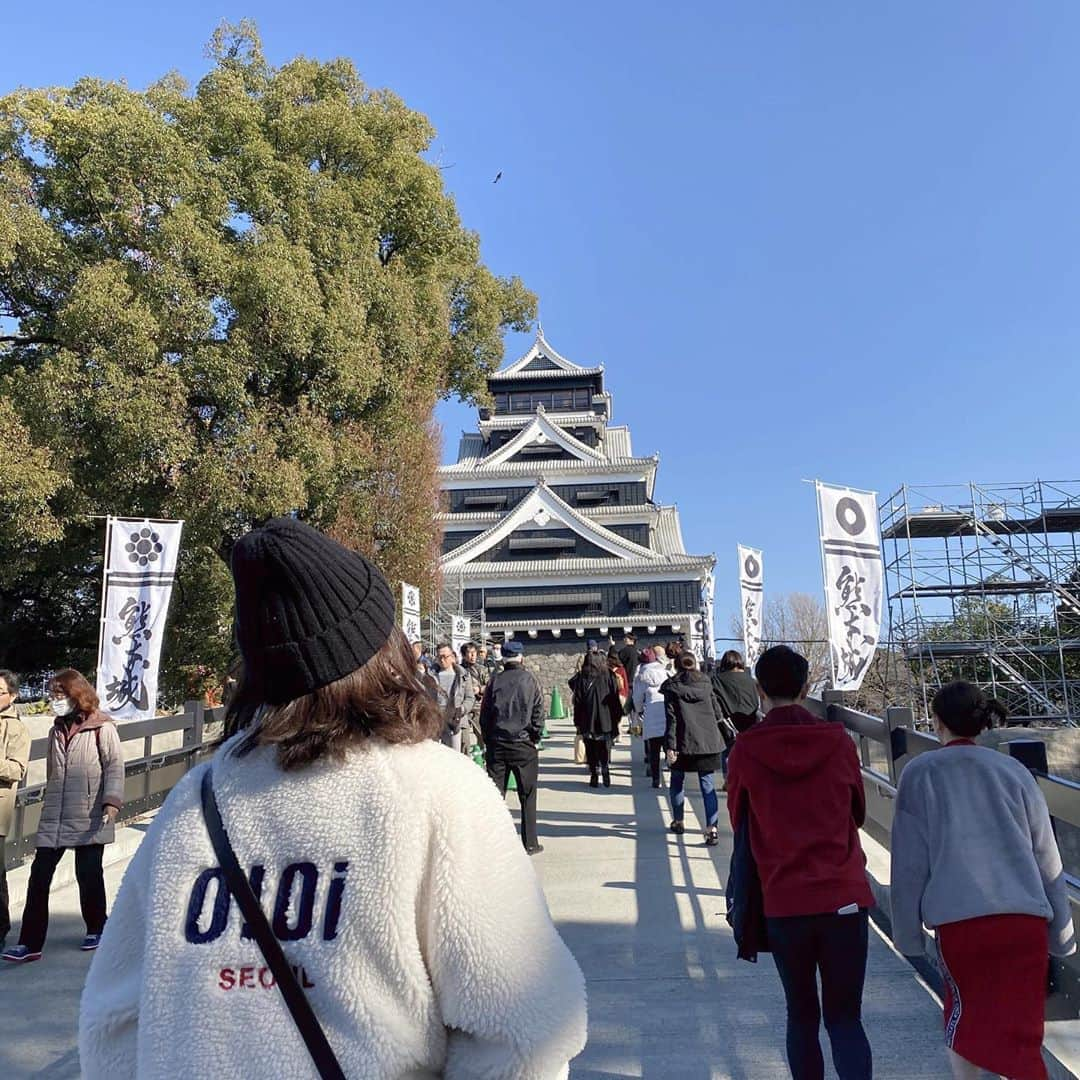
[{"x": 387, "y": 898}]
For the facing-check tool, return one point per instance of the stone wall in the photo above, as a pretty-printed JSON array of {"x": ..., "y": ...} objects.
[
  {"x": 553, "y": 662},
  {"x": 554, "y": 669}
]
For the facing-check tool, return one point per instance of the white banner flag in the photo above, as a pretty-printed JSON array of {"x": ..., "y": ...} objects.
[
  {"x": 708, "y": 601},
  {"x": 140, "y": 566},
  {"x": 460, "y": 633},
  {"x": 410, "y": 612},
  {"x": 752, "y": 599},
  {"x": 854, "y": 580}
]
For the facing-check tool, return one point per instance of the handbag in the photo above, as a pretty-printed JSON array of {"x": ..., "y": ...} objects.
[
  {"x": 322, "y": 1055},
  {"x": 580, "y": 757}
]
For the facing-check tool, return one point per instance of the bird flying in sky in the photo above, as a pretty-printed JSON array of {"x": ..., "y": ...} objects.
[{"x": 498, "y": 177}]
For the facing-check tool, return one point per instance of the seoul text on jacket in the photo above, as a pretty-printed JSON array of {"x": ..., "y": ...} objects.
[
  {"x": 513, "y": 707},
  {"x": 410, "y": 910},
  {"x": 85, "y": 773},
  {"x": 14, "y": 754},
  {"x": 694, "y": 720}
]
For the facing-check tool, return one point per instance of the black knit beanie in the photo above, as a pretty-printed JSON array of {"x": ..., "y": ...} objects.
[{"x": 308, "y": 611}]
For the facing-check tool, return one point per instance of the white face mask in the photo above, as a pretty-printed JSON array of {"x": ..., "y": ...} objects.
[{"x": 62, "y": 706}]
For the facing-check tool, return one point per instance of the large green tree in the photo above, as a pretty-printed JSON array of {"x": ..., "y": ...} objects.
[{"x": 223, "y": 305}]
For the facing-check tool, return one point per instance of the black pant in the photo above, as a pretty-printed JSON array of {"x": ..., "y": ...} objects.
[
  {"x": 5, "y": 913},
  {"x": 598, "y": 755},
  {"x": 523, "y": 760},
  {"x": 835, "y": 945},
  {"x": 91, "y": 879},
  {"x": 654, "y": 747}
]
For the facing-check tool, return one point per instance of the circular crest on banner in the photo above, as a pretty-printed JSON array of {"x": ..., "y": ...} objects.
[
  {"x": 751, "y": 567},
  {"x": 144, "y": 547},
  {"x": 850, "y": 516}
]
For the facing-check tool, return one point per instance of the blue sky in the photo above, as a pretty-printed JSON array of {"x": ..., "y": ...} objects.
[{"x": 833, "y": 239}]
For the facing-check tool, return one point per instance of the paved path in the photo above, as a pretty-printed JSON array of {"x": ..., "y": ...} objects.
[{"x": 642, "y": 910}]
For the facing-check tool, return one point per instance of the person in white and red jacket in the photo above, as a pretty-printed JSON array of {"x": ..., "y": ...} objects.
[
  {"x": 387, "y": 866},
  {"x": 799, "y": 780}
]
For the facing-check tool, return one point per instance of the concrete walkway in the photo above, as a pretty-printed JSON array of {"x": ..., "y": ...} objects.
[{"x": 642, "y": 910}]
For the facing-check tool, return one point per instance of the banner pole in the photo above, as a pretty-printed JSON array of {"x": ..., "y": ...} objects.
[
  {"x": 104, "y": 594},
  {"x": 825, "y": 581}
]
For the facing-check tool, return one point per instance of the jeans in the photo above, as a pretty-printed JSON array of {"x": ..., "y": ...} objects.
[
  {"x": 654, "y": 748},
  {"x": 88, "y": 873},
  {"x": 835, "y": 945},
  {"x": 523, "y": 760},
  {"x": 708, "y": 793}
]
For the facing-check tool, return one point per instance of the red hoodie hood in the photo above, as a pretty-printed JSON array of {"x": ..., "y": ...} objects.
[{"x": 792, "y": 742}]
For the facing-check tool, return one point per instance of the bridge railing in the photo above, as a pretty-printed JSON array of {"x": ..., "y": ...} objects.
[
  {"x": 886, "y": 744},
  {"x": 149, "y": 774}
]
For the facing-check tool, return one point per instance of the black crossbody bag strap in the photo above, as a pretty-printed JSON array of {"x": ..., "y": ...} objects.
[{"x": 306, "y": 1022}]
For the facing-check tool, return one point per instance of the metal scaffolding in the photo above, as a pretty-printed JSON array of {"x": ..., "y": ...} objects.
[{"x": 983, "y": 584}]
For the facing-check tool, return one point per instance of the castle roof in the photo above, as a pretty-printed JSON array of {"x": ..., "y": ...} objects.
[
  {"x": 543, "y": 362},
  {"x": 542, "y": 507}
]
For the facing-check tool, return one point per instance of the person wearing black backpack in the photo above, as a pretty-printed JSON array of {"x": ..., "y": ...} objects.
[{"x": 597, "y": 711}]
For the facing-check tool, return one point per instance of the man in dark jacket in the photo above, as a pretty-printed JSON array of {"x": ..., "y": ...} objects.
[
  {"x": 512, "y": 721},
  {"x": 799, "y": 780}
]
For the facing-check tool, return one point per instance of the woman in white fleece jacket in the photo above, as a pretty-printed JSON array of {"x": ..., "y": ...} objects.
[{"x": 387, "y": 866}]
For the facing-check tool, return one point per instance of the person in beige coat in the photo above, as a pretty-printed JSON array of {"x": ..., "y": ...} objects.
[
  {"x": 14, "y": 754},
  {"x": 83, "y": 794}
]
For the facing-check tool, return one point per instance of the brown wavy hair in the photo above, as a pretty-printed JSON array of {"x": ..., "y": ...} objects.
[
  {"x": 384, "y": 700},
  {"x": 74, "y": 685}
]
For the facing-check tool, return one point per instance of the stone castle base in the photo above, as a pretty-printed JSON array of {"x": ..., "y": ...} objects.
[{"x": 553, "y": 662}]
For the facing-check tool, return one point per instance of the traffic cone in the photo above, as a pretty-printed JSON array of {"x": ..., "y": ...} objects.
[
  {"x": 511, "y": 783},
  {"x": 558, "y": 709}
]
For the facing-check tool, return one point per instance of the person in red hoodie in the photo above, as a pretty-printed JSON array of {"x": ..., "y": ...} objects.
[{"x": 798, "y": 778}]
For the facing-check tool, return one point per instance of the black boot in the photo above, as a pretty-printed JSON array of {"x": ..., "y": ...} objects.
[
  {"x": 607, "y": 778},
  {"x": 593, "y": 781}
]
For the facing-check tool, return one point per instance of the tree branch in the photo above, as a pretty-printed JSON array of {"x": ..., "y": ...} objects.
[{"x": 33, "y": 339}]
